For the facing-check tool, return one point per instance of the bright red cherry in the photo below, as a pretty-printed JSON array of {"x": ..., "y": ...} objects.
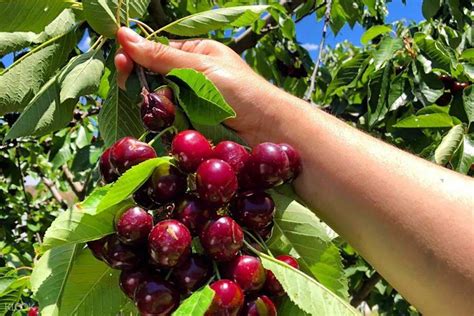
[
  {"x": 157, "y": 112},
  {"x": 253, "y": 210},
  {"x": 193, "y": 213},
  {"x": 167, "y": 183},
  {"x": 228, "y": 299},
  {"x": 267, "y": 167},
  {"x": 156, "y": 297},
  {"x": 142, "y": 197},
  {"x": 106, "y": 170},
  {"x": 259, "y": 306},
  {"x": 232, "y": 153},
  {"x": 294, "y": 160},
  {"x": 272, "y": 285},
  {"x": 120, "y": 256},
  {"x": 97, "y": 247},
  {"x": 133, "y": 226},
  {"x": 222, "y": 239},
  {"x": 193, "y": 273},
  {"x": 166, "y": 92},
  {"x": 169, "y": 243},
  {"x": 128, "y": 152},
  {"x": 130, "y": 280},
  {"x": 33, "y": 311},
  {"x": 216, "y": 182},
  {"x": 190, "y": 148},
  {"x": 247, "y": 272}
]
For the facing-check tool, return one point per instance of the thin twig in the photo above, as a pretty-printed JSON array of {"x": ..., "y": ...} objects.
[
  {"x": 146, "y": 26},
  {"x": 365, "y": 289},
  {"x": 327, "y": 19},
  {"x": 76, "y": 187},
  {"x": 22, "y": 180},
  {"x": 54, "y": 191}
]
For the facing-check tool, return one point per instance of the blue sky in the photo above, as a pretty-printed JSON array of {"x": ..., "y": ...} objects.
[{"x": 308, "y": 30}]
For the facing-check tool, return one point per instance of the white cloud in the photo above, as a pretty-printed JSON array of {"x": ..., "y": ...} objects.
[{"x": 310, "y": 46}]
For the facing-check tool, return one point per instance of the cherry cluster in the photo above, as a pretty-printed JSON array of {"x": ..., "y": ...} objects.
[{"x": 188, "y": 226}]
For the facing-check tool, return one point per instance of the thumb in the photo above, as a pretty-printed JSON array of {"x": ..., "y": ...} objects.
[{"x": 155, "y": 56}]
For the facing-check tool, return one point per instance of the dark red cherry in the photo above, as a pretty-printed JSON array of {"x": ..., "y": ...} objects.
[
  {"x": 247, "y": 272},
  {"x": 156, "y": 296},
  {"x": 232, "y": 153},
  {"x": 133, "y": 226},
  {"x": 447, "y": 81},
  {"x": 167, "y": 183},
  {"x": 216, "y": 182},
  {"x": 253, "y": 210},
  {"x": 169, "y": 243},
  {"x": 272, "y": 285},
  {"x": 228, "y": 299},
  {"x": 193, "y": 273},
  {"x": 294, "y": 159},
  {"x": 157, "y": 112},
  {"x": 97, "y": 247},
  {"x": 190, "y": 148},
  {"x": 166, "y": 92},
  {"x": 265, "y": 232},
  {"x": 267, "y": 166},
  {"x": 120, "y": 256},
  {"x": 107, "y": 171},
  {"x": 193, "y": 213},
  {"x": 459, "y": 86},
  {"x": 130, "y": 280},
  {"x": 128, "y": 152},
  {"x": 444, "y": 99},
  {"x": 222, "y": 239},
  {"x": 259, "y": 306},
  {"x": 142, "y": 197}
]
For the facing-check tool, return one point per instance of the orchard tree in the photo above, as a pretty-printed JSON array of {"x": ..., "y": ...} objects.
[{"x": 110, "y": 197}]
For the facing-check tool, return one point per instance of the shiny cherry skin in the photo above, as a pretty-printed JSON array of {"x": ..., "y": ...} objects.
[
  {"x": 228, "y": 299},
  {"x": 253, "y": 210},
  {"x": 33, "y": 311},
  {"x": 120, "y": 256},
  {"x": 193, "y": 273},
  {"x": 169, "y": 243},
  {"x": 444, "y": 99},
  {"x": 97, "y": 247},
  {"x": 272, "y": 285},
  {"x": 216, "y": 182},
  {"x": 128, "y": 152},
  {"x": 156, "y": 296},
  {"x": 232, "y": 153},
  {"x": 459, "y": 86},
  {"x": 142, "y": 197},
  {"x": 157, "y": 112},
  {"x": 165, "y": 91},
  {"x": 130, "y": 280},
  {"x": 447, "y": 81},
  {"x": 133, "y": 226},
  {"x": 259, "y": 306},
  {"x": 190, "y": 148},
  {"x": 193, "y": 213},
  {"x": 247, "y": 272},
  {"x": 294, "y": 160},
  {"x": 107, "y": 171},
  {"x": 267, "y": 167},
  {"x": 222, "y": 239},
  {"x": 167, "y": 184}
]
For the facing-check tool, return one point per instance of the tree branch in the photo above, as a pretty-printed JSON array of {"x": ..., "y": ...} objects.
[
  {"x": 365, "y": 289},
  {"x": 54, "y": 191},
  {"x": 76, "y": 187},
  {"x": 249, "y": 39}
]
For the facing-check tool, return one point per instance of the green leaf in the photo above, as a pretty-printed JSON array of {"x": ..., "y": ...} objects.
[
  {"x": 22, "y": 80},
  {"x": 119, "y": 117},
  {"x": 309, "y": 295},
  {"x": 203, "y": 22},
  {"x": 29, "y": 15},
  {"x": 199, "y": 97},
  {"x": 379, "y": 88},
  {"x": 287, "y": 307},
  {"x": 131, "y": 180},
  {"x": 102, "y": 14},
  {"x": 449, "y": 144},
  {"x": 82, "y": 75},
  {"x": 436, "y": 52},
  {"x": 468, "y": 100},
  {"x": 299, "y": 228},
  {"x": 197, "y": 304},
  {"x": 373, "y": 32},
  {"x": 386, "y": 50},
  {"x": 463, "y": 158},
  {"x": 347, "y": 73},
  {"x": 49, "y": 277},
  {"x": 92, "y": 288},
  {"x": 430, "y": 8},
  {"x": 10, "y": 42},
  {"x": 434, "y": 120},
  {"x": 468, "y": 54}
]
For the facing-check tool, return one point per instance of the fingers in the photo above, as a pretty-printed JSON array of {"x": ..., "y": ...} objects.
[
  {"x": 201, "y": 46},
  {"x": 155, "y": 56},
  {"x": 124, "y": 65}
]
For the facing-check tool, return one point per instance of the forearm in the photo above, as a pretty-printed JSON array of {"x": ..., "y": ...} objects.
[{"x": 409, "y": 218}]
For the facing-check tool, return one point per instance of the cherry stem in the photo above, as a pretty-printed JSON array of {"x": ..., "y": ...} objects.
[
  {"x": 251, "y": 248},
  {"x": 166, "y": 130},
  {"x": 169, "y": 274},
  {"x": 216, "y": 270},
  {"x": 265, "y": 245},
  {"x": 256, "y": 240},
  {"x": 141, "y": 77},
  {"x": 143, "y": 137}
]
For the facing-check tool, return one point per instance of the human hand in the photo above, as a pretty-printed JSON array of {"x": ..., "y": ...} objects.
[{"x": 248, "y": 93}]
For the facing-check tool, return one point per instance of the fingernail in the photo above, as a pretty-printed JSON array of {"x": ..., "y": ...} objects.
[{"x": 131, "y": 36}]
